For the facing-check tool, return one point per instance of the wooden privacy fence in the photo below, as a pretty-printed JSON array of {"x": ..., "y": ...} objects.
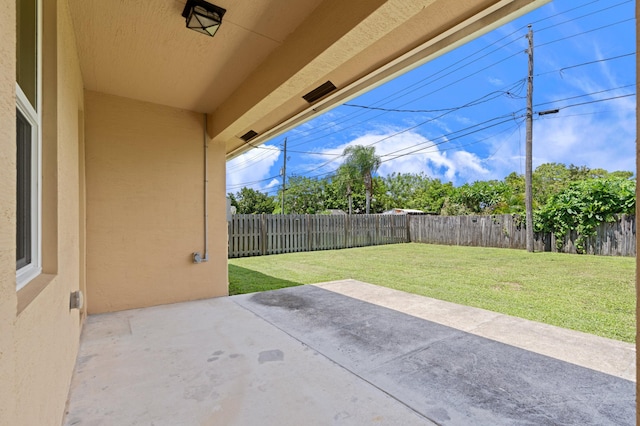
[
  {"x": 611, "y": 239},
  {"x": 507, "y": 231},
  {"x": 504, "y": 231},
  {"x": 255, "y": 235}
]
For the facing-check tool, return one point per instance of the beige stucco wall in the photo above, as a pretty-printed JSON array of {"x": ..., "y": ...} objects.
[
  {"x": 8, "y": 299},
  {"x": 38, "y": 333},
  {"x": 145, "y": 215}
]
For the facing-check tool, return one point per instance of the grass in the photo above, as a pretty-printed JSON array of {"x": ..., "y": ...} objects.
[{"x": 593, "y": 294}]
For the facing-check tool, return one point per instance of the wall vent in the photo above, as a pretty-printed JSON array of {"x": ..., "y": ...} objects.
[
  {"x": 319, "y": 92},
  {"x": 248, "y": 136}
]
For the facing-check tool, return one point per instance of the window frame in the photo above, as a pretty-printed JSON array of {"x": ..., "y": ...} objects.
[{"x": 33, "y": 115}]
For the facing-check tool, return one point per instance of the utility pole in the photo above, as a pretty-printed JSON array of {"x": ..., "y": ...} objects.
[
  {"x": 528, "y": 175},
  {"x": 284, "y": 173}
]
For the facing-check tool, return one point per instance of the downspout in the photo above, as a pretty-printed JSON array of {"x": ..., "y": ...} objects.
[{"x": 197, "y": 257}]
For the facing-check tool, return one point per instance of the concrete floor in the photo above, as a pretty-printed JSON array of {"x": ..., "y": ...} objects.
[{"x": 344, "y": 353}]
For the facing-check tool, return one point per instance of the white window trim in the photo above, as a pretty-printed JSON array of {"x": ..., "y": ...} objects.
[{"x": 28, "y": 272}]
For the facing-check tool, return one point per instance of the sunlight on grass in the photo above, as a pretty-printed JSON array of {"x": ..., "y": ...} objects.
[{"x": 593, "y": 294}]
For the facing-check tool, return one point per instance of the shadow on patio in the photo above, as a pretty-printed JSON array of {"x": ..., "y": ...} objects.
[{"x": 343, "y": 353}]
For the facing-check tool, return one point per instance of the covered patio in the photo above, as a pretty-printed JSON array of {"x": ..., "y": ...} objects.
[
  {"x": 343, "y": 352},
  {"x": 116, "y": 123}
]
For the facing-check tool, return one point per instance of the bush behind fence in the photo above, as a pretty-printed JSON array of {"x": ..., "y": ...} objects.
[
  {"x": 255, "y": 235},
  {"x": 507, "y": 231}
]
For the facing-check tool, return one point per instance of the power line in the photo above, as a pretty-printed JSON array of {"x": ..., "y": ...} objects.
[
  {"x": 517, "y": 127},
  {"x": 252, "y": 161},
  {"x": 513, "y": 114},
  {"x": 497, "y": 93},
  {"x": 477, "y": 52},
  {"x": 561, "y": 70},
  {"x": 586, "y": 32},
  {"x": 586, "y": 94},
  {"x": 399, "y": 94},
  {"x": 516, "y": 31},
  {"x": 583, "y": 16},
  {"x": 448, "y": 140},
  {"x": 420, "y": 150},
  {"x": 389, "y": 99},
  {"x": 467, "y": 58},
  {"x": 473, "y": 103},
  {"x": 240, "y": 185},
  {"x": 598, "y": 100},
  {"x": 564, "y": 12},
  {"x": 409, "y": 128}
]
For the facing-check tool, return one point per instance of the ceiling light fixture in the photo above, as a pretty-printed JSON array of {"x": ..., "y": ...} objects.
[{"x": 203, "y": 17}]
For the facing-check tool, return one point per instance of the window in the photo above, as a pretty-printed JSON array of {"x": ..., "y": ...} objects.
[{"x": 28, "y": 124}]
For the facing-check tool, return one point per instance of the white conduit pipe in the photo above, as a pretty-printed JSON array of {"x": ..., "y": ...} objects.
[{"x": 197, "y": 258}]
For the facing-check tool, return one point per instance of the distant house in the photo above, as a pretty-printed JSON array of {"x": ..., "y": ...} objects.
[{"x": 412, "y": 212}]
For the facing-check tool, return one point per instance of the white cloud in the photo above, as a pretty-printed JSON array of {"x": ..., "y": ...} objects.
[
  {"x": 598, "y": 135},
  {"x": 587, "y": 140},
  {"x": 410, "y": 152},
  {"x": 252, "y": 169},
  {"x": 275, "y": 183},
  {"x": 495, "y": 81},
  {"x": 574, "y": 136}
]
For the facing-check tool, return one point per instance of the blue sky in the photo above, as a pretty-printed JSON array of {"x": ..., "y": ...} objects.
[{"x": 460, "y": 117}]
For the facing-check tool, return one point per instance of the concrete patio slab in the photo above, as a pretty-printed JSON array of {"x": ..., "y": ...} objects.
[
  {"x": 587, "y": 350},
  {"x": 343, "y": 353},
  {"x": 212, "y": 362}
]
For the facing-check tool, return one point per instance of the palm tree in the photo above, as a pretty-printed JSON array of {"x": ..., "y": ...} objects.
[
  {"x": 346, "y": 175},
  {"x": 365, "y": 161}
]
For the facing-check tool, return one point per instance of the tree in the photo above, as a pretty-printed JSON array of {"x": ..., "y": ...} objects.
[
  {"x": 549, "y": 179},
  {"x": 345, "y": 177},
  {"x": 250, "y": 201},
  {"x": 480, "y": 197},
  {"x": 514, "y": 195},
  {"x": 414, "y": 191},
  {"x": 305, "y": 195},
  {"x": 552, "y": 178},
  {"x": 585, "y": 204},
  {"x": 401, "y": 189},
  {"x": 365, "y": 161}
]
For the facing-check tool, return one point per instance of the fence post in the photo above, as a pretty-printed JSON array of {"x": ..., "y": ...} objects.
[
  {"x": 263, "y": 234},
  {"x": 346, "y": 231},
  {"x": 408, "y": 228},
  {"x": 377, "y": 234},
  {"x": 309, "y": 233}
]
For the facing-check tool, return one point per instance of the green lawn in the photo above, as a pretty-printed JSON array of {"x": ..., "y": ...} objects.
[{"x": 593, "y": 294}]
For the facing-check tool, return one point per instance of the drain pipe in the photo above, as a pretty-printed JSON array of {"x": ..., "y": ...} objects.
[{"x": 197, "y": 257}]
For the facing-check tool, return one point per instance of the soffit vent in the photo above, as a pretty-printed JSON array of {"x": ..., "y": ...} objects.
[
  {"x": 248, "y": 136},
  {"x": 319, "y": 92}
]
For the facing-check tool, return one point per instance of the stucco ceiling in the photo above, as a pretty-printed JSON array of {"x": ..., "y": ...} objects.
[
  {"x": 142, "y": 50},
  {"x": 267, "y": 54}
]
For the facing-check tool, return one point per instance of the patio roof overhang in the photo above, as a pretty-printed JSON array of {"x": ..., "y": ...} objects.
[{"x": 268, "y": 54}]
